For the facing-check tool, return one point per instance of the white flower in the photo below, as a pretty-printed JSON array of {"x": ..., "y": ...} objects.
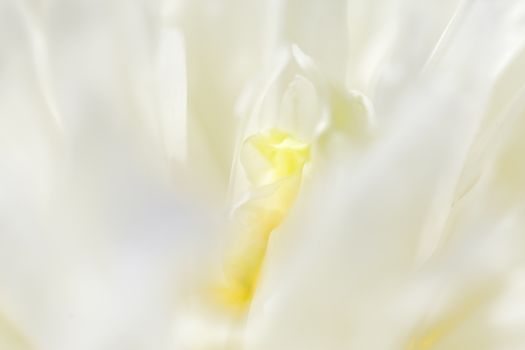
[{"x": 262, "y": 174}]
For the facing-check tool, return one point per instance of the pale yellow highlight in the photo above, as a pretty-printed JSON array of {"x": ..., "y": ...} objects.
[
  {"x": 11, "y": 338},
  {"x": 432, "y": 336},
  {"x": 276, "y": 166}
]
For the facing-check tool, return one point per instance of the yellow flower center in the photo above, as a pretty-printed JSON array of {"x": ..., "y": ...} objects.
[{"x": 273, "y": 162}]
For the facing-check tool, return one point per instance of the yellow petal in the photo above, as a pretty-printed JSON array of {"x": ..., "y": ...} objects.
[{"x": 276, "y": 179}]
